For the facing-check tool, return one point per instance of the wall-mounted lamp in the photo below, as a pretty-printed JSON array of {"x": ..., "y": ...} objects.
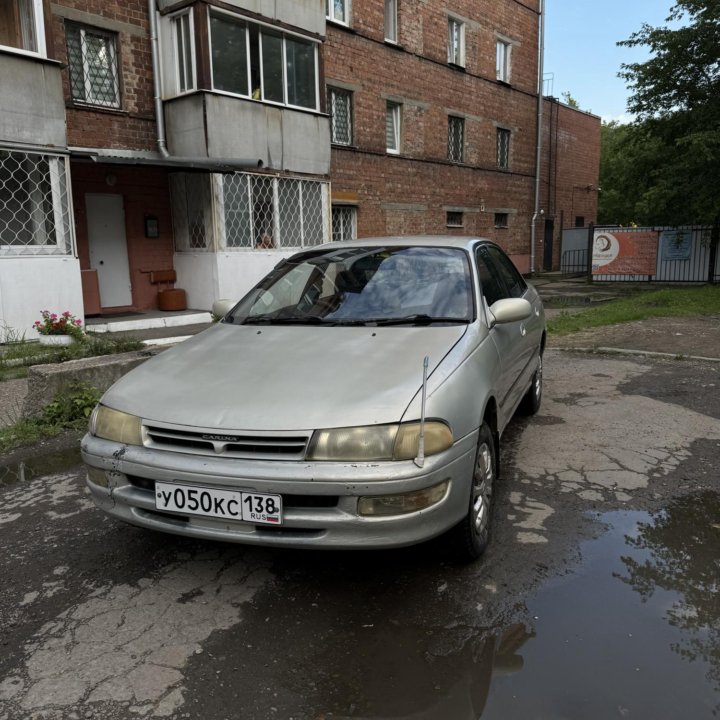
[{"x": 152, "y": 227}]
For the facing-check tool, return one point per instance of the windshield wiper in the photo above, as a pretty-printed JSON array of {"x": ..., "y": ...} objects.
[
  {"x": 419, "y": 319},
  {"x": 291, "y": 320}
]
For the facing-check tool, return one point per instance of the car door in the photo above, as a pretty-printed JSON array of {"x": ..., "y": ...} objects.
[{"x": 505, "y": 337}]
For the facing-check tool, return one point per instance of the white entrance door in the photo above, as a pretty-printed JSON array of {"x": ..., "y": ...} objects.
[{"x": 108, "y": 248}]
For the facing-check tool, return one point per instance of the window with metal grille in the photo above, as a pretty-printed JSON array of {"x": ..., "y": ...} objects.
[
  {"x": 338, "y": 10},
  {"x": 340, "y": 109},
  {"x": 456, "y": 42},
  {"x": 191, "y": 211},
  {"x": 454, "y": 218},
  {"x": 183, "y": 46},
  {"x": 456, "y": 138},
  {"x": 34, "y": 204},
  {"x": 265, "y": 212},
  {"x": 503, "y": 148},
  {"x": 392, "y": 127},
  {"x": 501, "y": 220},
  {"x": 502, "y": 62},
  {"x": 21, "y": 25},
  {"x": 391, "y": 20},
  {"x": 344, "y": 223},
  {"x": 93, "y": 66},
  {"x": 263, "y": 64}
]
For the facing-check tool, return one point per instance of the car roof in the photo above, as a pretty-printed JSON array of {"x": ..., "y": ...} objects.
[{"x": 453, "y": 241}]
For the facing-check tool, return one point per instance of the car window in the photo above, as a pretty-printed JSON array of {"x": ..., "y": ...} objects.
[
  {"x": 492, "y": 288},
  {"x": 365, "y": 284},
  {"x": 509, "y": 274}
]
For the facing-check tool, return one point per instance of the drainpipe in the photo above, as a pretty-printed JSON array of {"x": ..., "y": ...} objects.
[
  {"x": 538, "y": 156},
  {"x": 159, "y": 114}
]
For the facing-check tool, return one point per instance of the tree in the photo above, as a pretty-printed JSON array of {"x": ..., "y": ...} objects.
[
  {"x": 569, "y": 100},
  {"x": 676, "y": 97}
]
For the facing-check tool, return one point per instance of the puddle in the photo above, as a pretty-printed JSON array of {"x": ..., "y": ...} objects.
[
  {"x": 31, "y": 468},
  {"x": 635, "y": 631}
]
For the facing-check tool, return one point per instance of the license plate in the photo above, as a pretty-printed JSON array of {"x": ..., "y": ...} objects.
[{"x": 226, "y": 504}]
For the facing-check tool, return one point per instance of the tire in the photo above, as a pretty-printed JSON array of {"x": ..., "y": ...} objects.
[
  {"x": 469, "y": 538},
  {"x": 530, "y": 403}
]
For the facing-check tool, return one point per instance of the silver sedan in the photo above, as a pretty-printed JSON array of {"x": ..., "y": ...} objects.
[{"x": 355, "y": 398}]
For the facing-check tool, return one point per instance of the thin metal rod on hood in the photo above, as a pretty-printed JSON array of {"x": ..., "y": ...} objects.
[{"x": 420, "y": 459}]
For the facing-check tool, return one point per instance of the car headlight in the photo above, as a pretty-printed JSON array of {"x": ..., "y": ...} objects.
[
  {"x": 379, "y": 442},
  {"x": 115, "y": 425}
]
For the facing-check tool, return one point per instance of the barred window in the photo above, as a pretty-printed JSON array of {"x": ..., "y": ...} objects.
[
  {"x": 21, "y": 25},
  {"x": 456, "y": 42},
  {"x": 456, "y": 139},
  {"x": 340, "y": 110},
  {"x": 93, "y": 67},
  {"x": 502, "y": 62},
  {"x": 501, "y": 219},
  {"x": 392, "y": 127},
  {"x": 191, "y": 211},
  {"x": 265, "y": 212},
  {"x": 503, "y": 148},
  {"x": 454, "y": 218},
  {"x": 344, "y": 223},
  {"x": 34, "y": 204}
]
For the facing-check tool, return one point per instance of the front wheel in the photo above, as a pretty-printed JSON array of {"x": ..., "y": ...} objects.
[
  {"x": 530, "y": 403},
  {"x": 470, "y": 537}
]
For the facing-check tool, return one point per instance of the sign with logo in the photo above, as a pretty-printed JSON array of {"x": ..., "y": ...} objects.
[
  {"x": 676, "y": 244},
  {"x": 624, "y": 253}
]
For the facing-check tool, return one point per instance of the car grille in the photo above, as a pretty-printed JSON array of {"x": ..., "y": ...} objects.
[{"x": 239, "y": 445}]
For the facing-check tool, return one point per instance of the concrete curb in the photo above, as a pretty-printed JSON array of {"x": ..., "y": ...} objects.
[
  {"x": 46, "y": 381},
  {"x": 640, "y": 353}
]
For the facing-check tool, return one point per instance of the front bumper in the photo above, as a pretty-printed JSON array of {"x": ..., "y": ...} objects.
[{"x": 320, "y": 499}]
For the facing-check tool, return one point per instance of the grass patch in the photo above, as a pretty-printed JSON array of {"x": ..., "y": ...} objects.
[
  {"x": 669, "y": 302},
  {"x": 69, "y": 409},
  {"x": 18, "y": 354}
]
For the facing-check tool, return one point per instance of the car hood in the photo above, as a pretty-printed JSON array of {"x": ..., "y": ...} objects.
[{"x": 245, "y": 377}]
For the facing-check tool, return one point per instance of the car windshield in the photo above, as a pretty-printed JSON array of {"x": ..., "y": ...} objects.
[{"x": 363, "y": 286}]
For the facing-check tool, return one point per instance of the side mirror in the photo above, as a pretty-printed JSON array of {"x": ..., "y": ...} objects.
[
  {"x": 221, "y": 308},
  {"x": 510, "y": 310}
]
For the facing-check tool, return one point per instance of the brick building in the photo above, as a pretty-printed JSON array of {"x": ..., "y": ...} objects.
[{"x": 212, "y": 138}]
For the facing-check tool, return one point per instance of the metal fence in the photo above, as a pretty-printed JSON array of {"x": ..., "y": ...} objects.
[{"x": 689, "y": 254}]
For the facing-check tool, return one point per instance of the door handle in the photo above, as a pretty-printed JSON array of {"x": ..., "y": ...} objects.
[{"x": 523, "y": 330}]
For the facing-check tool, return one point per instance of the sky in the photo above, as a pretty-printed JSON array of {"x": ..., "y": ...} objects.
[{"x": 581, "y": 53}]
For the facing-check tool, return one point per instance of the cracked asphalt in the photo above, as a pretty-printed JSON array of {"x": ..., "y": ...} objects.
[{"x": 562, "y": 618}]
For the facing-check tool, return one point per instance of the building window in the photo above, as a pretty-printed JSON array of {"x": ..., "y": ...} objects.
[
  {"x": 456, "y": 138},
  {"x": 338, "y": 11},
  {"x": 229, "y": 59},
  {"x": 503, "y": 148},
  {"x": 454, "y": 219},
  {"x": 183, "y": 48},
  {"x": 340, "y": 109},
  {"x": 456, "y": 42},
  {"x": 34, "y": 204},
  {"x": 579, "y": 221},
  {"x": 255, "y": 61},
  {"x": 22, "y": 26},
  {"x": 391, "y": 21},
  {"x": 267, "y": 213},
  {"x": 392, "y": 127},
  {"x": 502, "y": 63},
  {"x": 501, "y": 219},
  {"x": 93, "y": 67},
  {"x": 344, "y": 223}
]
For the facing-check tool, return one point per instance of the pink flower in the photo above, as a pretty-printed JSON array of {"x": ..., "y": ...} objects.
[
  {"x": 78, "y": 323},
  {"x": 53, "y": 316}
]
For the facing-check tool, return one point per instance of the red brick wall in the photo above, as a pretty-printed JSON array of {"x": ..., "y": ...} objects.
[
  {"x": 570, "y": 168},
  {"x": 133, "y": 125},
  {"x": 410, "y": 193},
  {"x": 145, "y": 192}
]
